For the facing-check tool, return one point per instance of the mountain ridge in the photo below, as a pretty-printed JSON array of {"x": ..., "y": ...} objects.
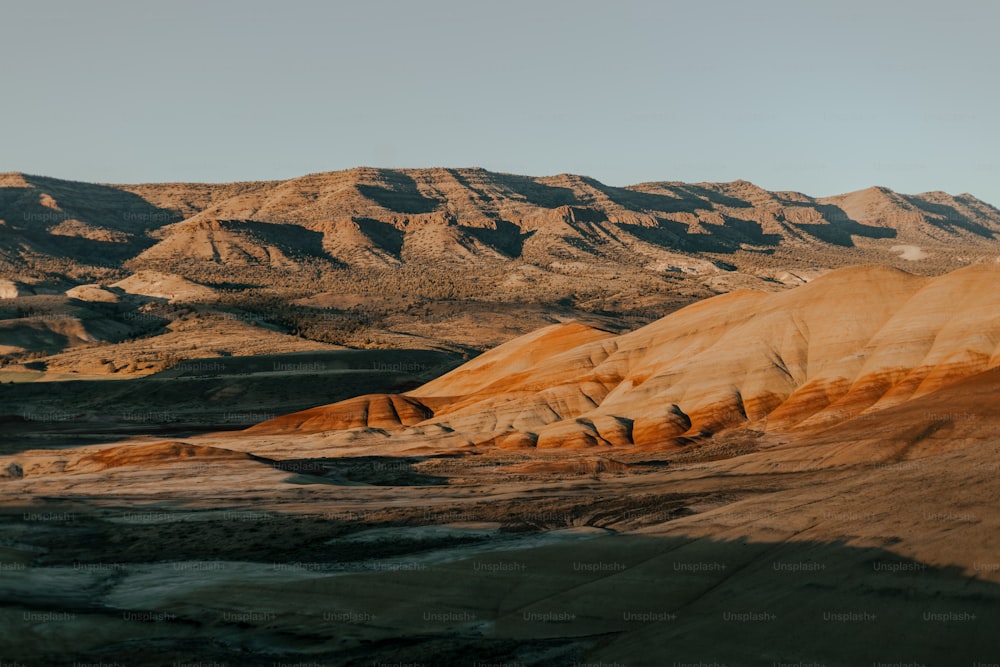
[
  {"x": 367, "y": 216},
  {"x": 6, "y": 177}
]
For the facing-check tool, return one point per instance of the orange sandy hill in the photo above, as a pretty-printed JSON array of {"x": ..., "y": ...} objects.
[
  {"x": 852, "y": 343},
  {"x": 154, "y": 453}
]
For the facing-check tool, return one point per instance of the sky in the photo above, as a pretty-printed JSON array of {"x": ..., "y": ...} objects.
[{"x": 819, "y": 97}]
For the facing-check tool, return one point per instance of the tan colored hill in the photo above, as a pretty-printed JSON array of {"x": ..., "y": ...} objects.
[
  {"x": 161, "y": 285},
  {"x": 93, "y": 293},
  {"x": 185, "y": 339},
  {"x": 232, "y": 243},
  {"x": 34, "y": 334},
  {"x": 843, "y": 347},
  {"x": 9, "y": 289}
]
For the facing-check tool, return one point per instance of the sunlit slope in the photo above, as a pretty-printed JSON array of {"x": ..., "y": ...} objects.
[{"x": 851, "y": 344}]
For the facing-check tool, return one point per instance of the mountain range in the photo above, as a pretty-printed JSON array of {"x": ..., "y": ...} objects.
[
  {"x": 450, "y": 259},
  {"x": 381, "y": 218}
]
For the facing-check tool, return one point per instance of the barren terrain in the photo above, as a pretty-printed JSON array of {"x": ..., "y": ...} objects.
[{"x": 795, "y": 477}]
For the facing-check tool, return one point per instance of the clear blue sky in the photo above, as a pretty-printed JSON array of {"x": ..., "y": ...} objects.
[{"x": 821, "y": 97}]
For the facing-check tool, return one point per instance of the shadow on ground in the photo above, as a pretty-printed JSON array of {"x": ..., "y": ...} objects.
[{"x": 556, "y": 598}]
